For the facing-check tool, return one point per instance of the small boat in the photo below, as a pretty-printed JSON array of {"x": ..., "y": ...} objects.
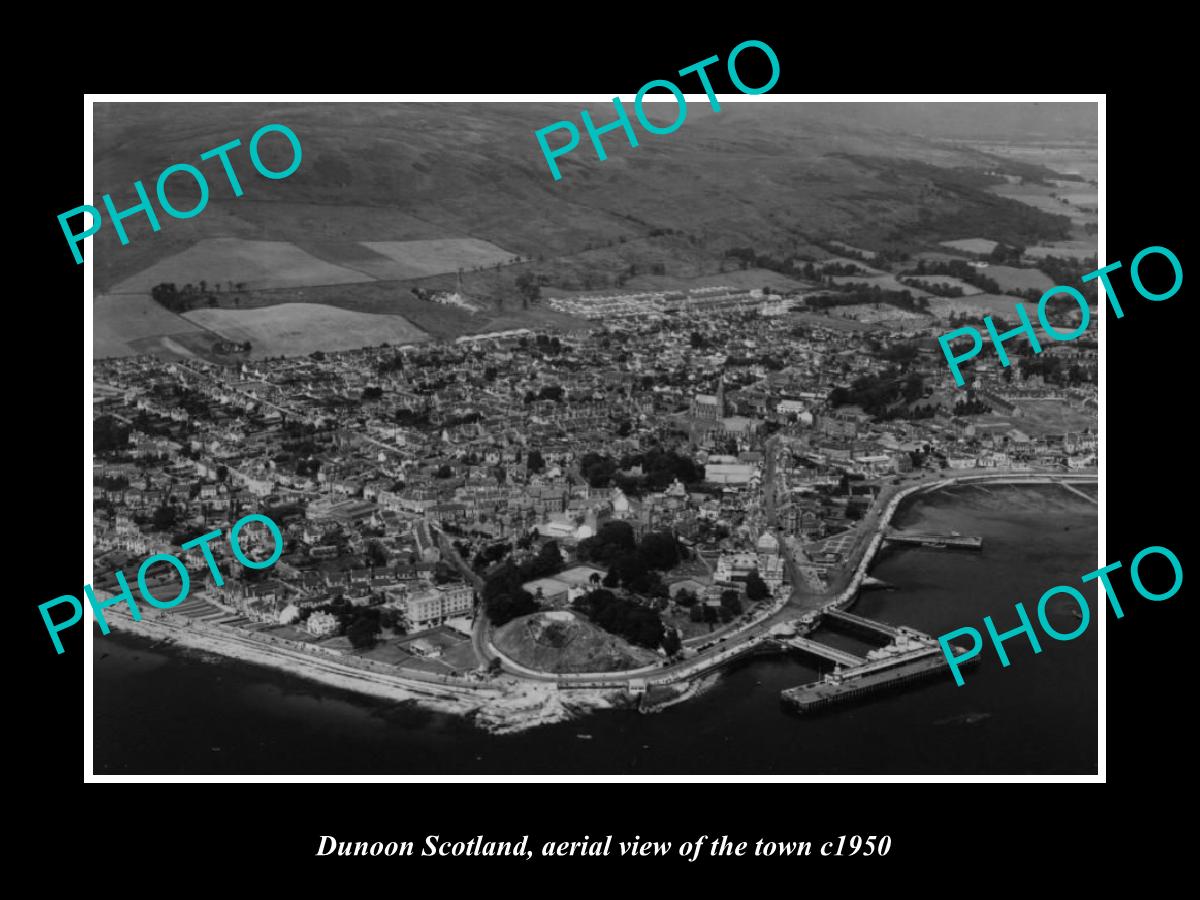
[
  {"x": 584, "y": 737},
  {"x": 937, "y": 545}
]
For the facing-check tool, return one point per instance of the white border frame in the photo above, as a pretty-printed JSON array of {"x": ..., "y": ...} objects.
[{"x": 89, "y": 100}]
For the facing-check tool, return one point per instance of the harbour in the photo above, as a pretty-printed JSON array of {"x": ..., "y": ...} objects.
[{"x": 1003, "y": 720}]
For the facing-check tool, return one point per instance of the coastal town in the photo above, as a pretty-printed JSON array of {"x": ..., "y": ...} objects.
[{"x": 517, "y": 517}]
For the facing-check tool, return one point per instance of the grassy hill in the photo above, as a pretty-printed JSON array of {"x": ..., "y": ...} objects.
[
  {"x": 769, "y": 176},
  {"x": 562, "y": 641}
]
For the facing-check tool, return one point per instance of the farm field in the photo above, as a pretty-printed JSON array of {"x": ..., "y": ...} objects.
[
  {"x": 353, "y": 255},
  {"x": 256, "y": 264},
  {"x": 417, "y": 259},
  {"x": 1012, "y": 278},
  {"x": 862, "y": 266},
  {"x": 948, "y": 280},
  {"x": 1081, "y": 210},
  {"x": 291, "y": 329},
  {"x": 1072, "y": 249},
  {"x": 982, "y": 246},
  {"x": 884, "y": 282},
  {"x": 847, "y": 248},
  {"x": 1067, "y": 159},
  {"x": 128, "y": 324},
  {"x": 1083, "y": 197}
]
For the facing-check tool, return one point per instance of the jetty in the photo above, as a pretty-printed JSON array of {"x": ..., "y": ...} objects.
[
  {"x": 870, "y": 678},
  {"x": 908, "y": 655},
  {"x": 933, "y": 539}
]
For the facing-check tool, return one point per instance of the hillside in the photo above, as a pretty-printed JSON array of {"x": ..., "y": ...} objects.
[{"x": 562, "y": 641}]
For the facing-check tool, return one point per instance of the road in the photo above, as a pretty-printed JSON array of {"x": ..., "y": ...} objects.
[{"x": 480, "y": 624}]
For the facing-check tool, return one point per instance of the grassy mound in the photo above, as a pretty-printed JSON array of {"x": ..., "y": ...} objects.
[{"x": 561, "y": 641}]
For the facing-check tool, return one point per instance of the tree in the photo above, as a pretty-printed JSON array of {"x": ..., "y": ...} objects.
[
  {"x": 547, "y": 562},
  {"x": 377, "y": 554},
  {"x": 506, "y": 607},
  {"x": 529, "y": 287},
  {"x": 685, "y": 597},
  {"x": 636, "y": 623},
  {"x": 631, "y": 569},
  {"x": 163, "y": 518},
  {"x": 363, "y": 632},
  {"x": 534, "y": 462},
  {"x": 731, "y": 602},
  {"x": 613, "y": 539},
  {"x": 108, "y": 434},
  {"x": 671, "y": 643},
  {"x": 756, "y": 588},
  {"x": 659, "y": 550}
]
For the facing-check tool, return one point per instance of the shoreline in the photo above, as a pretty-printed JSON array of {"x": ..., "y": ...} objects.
[
  {"x": 509, "y": 704},
  {"x": 849, "y": 593},
  {"x": 497, "y": 707}
]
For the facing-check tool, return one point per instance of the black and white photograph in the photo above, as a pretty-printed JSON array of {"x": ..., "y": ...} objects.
[{"x": 474, "y": 437}]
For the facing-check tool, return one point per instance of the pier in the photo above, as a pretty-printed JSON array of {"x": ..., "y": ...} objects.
[
  {"x": 862, "y": 626},
  {"x": 933, "y": 539},
  {"x": 839, "y": 687},
  {"x": 908, "y": 656}
]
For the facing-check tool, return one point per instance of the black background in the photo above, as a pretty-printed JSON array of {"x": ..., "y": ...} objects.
[{"x": 956, "y": 837}]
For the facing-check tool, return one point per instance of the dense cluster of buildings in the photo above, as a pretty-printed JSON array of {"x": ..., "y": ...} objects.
[{"x": 391, "y": 468}]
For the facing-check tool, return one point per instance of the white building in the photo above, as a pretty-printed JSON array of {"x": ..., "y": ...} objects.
[
  {"x": 321, "y": 624},
  {"x": 433, "y": 606}
]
